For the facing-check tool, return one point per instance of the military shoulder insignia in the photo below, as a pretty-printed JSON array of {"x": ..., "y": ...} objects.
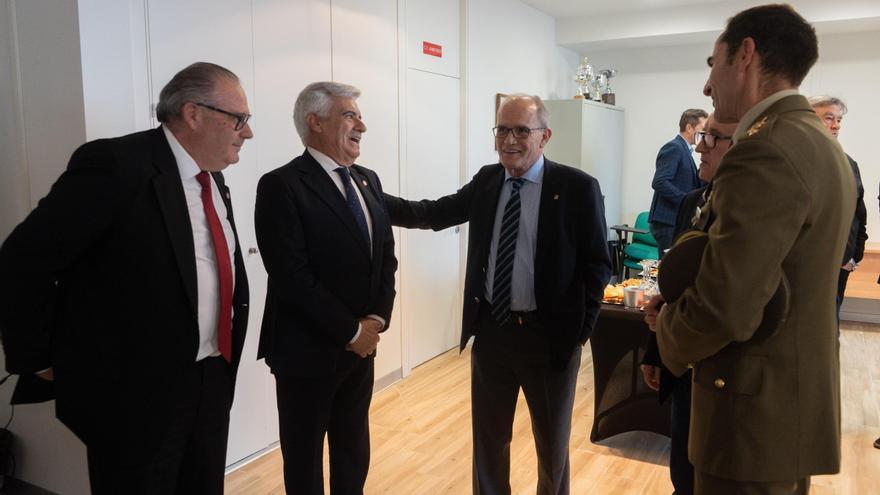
[{"x": 756, "y": 127}]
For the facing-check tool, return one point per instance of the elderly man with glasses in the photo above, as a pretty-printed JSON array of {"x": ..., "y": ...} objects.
[
  {"x": 126, "y": 286},
  {"x": 537, "y": 265}
]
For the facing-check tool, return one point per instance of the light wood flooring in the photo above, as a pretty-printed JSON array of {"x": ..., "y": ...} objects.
[
  {"x": 862, "y": 283},
  {"x": 421, "y": 436}
]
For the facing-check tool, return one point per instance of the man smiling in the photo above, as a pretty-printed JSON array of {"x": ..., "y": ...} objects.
[
  {"x": 329, "y": 252},
  {"x": 537, "y": 264},
  {"x": 766, "y": 398}
]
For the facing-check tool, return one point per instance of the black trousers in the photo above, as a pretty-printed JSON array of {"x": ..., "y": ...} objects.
[
  {"x": 191, "y": 457},
  {"x": 338, "y": 406},
  {"x": 503, "y": 360},
  {"x": 680, "y": 468}
]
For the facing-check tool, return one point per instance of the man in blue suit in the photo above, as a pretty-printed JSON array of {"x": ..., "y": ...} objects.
[{"x": 676, "y": 175}]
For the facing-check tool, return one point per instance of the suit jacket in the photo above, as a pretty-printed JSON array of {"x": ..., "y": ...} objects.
[
  {"x": 675, "y": 176},
  {"x": 766, "y": 405},
  {"x": 689, "y": 205},
  {"x": 858, "y": 234},
  {"x": 572, "y": 263},
  {"x": 99, "y": 282},
  {"x": 322, "y": 275}
]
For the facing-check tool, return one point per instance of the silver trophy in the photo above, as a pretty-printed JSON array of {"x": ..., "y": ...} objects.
[
  {"x": 607, "y": 92},
  {"x": 585, "y": 77}
]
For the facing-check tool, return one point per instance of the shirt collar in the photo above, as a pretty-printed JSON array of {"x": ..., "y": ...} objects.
[
  {"x": 535, "y": 173},
  {"x": 186, "y": 165},
  {"x": 323, "y": 160},
  {"x": 752, "y": 115}
]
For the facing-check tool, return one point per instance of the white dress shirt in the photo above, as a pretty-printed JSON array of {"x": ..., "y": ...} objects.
[{"x": 207, "y": 277}]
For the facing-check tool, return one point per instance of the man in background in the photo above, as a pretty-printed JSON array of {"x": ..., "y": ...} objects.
[
  {"x": 126, "y": 286},
  {"x": 712, "y": 144},
  {"x": 328, "y": 249},
  {"x": 675, "y": 176},
  {"x": 766, "y": 397},
  {"x": 536, "y": 267},
  {"x": 831, "y": 111}
]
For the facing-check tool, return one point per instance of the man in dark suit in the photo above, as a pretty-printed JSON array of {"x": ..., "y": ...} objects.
[
  {"x": 126, "y": 285},
  {"x": 765, "y": 411},
  {"x": 831, "y": 110},
  {"x": 536, "y": 268},
  {"x": 329, "y": 251},
  {"x": 712, "y": 143},
  {"x": 675, "y": 176}
]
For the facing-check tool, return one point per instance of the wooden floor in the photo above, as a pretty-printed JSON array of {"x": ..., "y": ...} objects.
[
  {"x": 421, "y": 436},
  {"x": 862, "y": 283}
]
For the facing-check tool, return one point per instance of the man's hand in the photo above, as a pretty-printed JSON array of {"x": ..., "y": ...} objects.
[
  {"x": 651, "y": 375},
  {"x": 368, "y": 339},
  {"x": 850, "y": 266},
  {"x": 46, "y": 374},
  {"x": 652, "y": 311}
]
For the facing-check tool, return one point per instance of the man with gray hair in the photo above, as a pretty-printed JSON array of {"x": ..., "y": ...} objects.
[
  {"x": 831, "y": 110},
  {"x": 125, "y": 287},
  {"x": 536, "y": 268},
  {"x": 328, "y": 249}
]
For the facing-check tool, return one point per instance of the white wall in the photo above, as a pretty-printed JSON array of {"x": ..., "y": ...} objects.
[
  {"x": 656, "y": 85},
  {"x": 511, "y": 48}
]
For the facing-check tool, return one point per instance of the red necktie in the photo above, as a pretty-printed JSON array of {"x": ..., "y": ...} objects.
[{"x": 224, "y": 268}]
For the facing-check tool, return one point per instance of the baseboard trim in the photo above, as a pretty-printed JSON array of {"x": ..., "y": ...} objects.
[
  {"x": 251, "y": 458},
  {"x": 860, "y": 309},
  {"x": 388, "y": 380}
]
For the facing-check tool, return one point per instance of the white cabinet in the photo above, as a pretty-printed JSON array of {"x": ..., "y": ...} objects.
[{"x": 589, "y": 135}]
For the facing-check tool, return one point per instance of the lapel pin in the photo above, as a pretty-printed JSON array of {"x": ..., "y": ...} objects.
[
  {"x": 227, "y": 195},
  {"x": 364, "y": 182},
  {"x": 555, "y": 196}
]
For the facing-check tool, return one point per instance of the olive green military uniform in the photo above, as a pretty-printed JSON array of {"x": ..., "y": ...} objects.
[{"x": 766, "y": 405}]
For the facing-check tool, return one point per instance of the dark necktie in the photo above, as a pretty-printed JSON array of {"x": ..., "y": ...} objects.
[
  {"x": 354, "y": 205},
  {"x": 506, "y": 253},
  {"x": 224, "y": 268}
]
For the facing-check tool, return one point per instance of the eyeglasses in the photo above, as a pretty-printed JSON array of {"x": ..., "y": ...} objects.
[
  {"x": 708, "y": 139},
  {"x": 240, "y": 118},
  {"x": 518, "y": 132}
]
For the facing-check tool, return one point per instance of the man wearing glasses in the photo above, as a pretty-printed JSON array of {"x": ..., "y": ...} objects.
[
  {"x": 536, "y": 268},
  {"x": 765, "y": 412},
  {"x": 712, "y": 144},
  {"x": 125, "y": 288},
  {"x": 675, "y": 176}
]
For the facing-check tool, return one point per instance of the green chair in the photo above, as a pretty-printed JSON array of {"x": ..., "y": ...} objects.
[{"x": 642, "y": 247}]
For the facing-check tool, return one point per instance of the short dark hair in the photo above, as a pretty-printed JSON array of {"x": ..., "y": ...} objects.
[
  {"x": 195, "y": 83},
  {"x": 785, "y": 41},
  {"x": 691, "y": 116}
]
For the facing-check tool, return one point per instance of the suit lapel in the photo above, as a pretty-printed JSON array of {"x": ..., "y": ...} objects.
[
  {"x": 316, "y": 179},
  {"x": 548, "y": 217},
  {"x": 172, "y": 202},
  {"x": 370, "y": 195}
]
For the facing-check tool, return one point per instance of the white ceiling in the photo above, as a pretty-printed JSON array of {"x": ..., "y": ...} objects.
[{"x": 592, "y": 25}]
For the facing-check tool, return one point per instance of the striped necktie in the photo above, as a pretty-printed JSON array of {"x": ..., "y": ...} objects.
[{"x": 506, "y": 253}]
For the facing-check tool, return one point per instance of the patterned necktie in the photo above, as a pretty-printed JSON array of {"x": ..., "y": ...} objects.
[
  {"x": 505, "y": 255},
  {"x": 224, "y": 268},
  {"x": 354, "y": 205}
]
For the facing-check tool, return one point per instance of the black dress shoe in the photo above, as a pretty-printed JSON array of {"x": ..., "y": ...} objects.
[{"x": 877, "y": 443}]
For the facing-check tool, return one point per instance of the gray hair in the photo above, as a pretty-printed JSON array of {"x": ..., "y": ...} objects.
[
  {"x": 542, "y": 113},
  {"x": 316, "y": 98},
  {"x": 195, "y": 83},
  {"x": 827, "y": 101}
]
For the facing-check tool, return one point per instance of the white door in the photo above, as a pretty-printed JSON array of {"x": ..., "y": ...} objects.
[{"x": 430, "y": 278}]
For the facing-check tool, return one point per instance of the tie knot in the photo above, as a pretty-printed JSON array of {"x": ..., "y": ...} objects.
[
  {"x": 204, "y": 179},
  {"x": 343, "y": 172},
  {"x": 516, "y": 183}
]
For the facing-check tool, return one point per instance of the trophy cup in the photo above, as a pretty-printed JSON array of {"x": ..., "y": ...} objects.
[
  {"x": 584, "y": 77},
  {"x": 607, "y": 94}
]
